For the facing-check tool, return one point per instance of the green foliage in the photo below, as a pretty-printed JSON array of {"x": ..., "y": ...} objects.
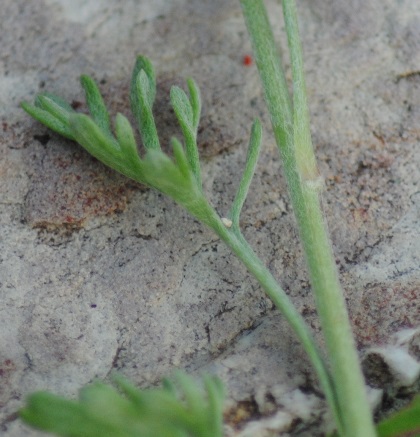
[
  {"x": 52, "y": 111},
  {"x": 101, "y": 410},
  {"x": 177, "y": 409},
  {"x": 142, "y": 97},
  {"x": 188, "y": 112},
  {"x": 178, "y": 177},
  {"x": 404, "y": 423}
]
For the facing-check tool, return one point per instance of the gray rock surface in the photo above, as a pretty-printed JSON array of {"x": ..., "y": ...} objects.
[{"x": 98, "y": 273}]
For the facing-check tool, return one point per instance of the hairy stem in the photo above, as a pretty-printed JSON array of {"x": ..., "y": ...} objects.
[
  {"x": 241, "y": 248},
  {"x": 291, "y": 129}
]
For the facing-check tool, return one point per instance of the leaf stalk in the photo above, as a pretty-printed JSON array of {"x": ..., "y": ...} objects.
[{"x": 292, "y": 132}]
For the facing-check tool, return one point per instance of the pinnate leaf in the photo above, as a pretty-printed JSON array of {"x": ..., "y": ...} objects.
[{"x": 101, "y": 411}]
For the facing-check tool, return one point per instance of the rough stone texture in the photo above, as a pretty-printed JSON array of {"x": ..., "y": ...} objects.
[{"x": 97, "y": 273}]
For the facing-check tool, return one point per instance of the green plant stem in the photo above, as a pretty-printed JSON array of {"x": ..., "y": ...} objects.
[
  {"x": 304, "y": 186},
  {"x": 234, "y": 239}
]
